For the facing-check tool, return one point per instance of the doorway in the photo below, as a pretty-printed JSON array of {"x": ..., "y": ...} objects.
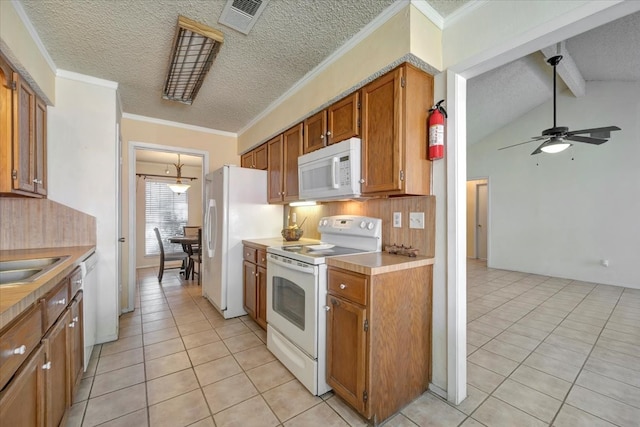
[{"x": 478, "y": 218}]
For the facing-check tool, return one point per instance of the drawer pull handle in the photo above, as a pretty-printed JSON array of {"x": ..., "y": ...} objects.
[
  {"x": 20, "y": 350},
  {"x": 46, "y": 366},
  {"x": 327, "y": 308},
  {"x": 72, "y": 324},
  {"x": 343, "y": 286},
  {"x": 62, "y": 301}
]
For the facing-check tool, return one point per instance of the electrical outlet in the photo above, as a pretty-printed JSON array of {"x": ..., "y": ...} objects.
[
  {"x": 416, "y": 220},
  {"x": 397, "y": 219}
]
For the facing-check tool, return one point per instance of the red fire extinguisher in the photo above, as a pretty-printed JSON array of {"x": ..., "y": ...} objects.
[{"x": 436, "y": 131}]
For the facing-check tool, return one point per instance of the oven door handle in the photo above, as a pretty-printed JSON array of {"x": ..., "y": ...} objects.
[{"x": 294, "y": 265}]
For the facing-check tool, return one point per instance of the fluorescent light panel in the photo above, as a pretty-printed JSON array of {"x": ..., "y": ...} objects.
[{"x": 194, "y": 49}]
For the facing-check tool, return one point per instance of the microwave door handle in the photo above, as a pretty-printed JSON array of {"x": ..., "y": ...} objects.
[{"x": 334, "y": 167}]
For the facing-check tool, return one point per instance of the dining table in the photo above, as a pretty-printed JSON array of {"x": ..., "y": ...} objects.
[{"x": 187, "y": 243}]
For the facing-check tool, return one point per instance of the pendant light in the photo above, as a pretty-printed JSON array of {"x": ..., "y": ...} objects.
[{"x": 179, "y": 187}]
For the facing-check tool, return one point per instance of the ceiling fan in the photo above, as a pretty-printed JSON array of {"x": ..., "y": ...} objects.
[{"x": 557, "y": 138}]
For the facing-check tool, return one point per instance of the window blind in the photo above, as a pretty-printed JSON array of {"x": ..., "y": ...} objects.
[{"x": 166, "y": 210}]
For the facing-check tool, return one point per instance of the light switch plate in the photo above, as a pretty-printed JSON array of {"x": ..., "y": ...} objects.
[
  {"x": 397, "y": 219},
  {"x": 416, "y": 220}
]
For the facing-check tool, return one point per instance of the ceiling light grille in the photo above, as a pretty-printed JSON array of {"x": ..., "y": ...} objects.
[
  {"x": 242, "y": 15},
  {"x": 194, "y": 49}
]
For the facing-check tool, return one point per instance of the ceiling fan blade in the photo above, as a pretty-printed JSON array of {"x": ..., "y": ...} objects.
[
  {"x": 606, "y": 129},
  {"x": 588, "y": 140},
  {"x": 535, "y": 138},
  {"x": 539, "y": 149}
]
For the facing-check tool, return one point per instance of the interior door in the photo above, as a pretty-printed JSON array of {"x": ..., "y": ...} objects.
[{"x": 481, "y": 221}]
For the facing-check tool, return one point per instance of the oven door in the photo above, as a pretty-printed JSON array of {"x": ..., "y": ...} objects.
[{"x": 292, "y": 307}]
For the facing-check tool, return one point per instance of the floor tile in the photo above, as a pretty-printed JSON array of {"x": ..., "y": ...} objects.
[
  {"x": 510, "y": 351},
  {"x": 616, "y": 372},
  {"x": 268, "y": 376},
  {"x": 346, "y": 412},
  {"x": 121, "y": 345},
  {"x": 171, "y": 385},
  {"x": 76, "y": 413},
  {"x": 120, "y": 360},
  {"x": 135, "y": 419},
  {"x": 208, "y": 352},
  {"x": 179, "y": 411},
  {"x": 604, "y": 407},
  {"x": 116, "y": 380},
  {"x": 625, "y": 360},
  {"x": 114, "y": 405},
  {"x": 167, "y": 365},
  {"x": 562, "y": 354},
  {"x": 157, "y": 325},
  {"x": 495, "y": 413},
  {"x": 619, "y": 346},
  {"x": 474, "y": 398},
  {"x": 200, "y": 338},
  {"x": 228, "y": 392},
  {"x": 528, "y": 400},
  {"x": 150, "y": 317},
  {"x": 250, "y": 413},
  {"x": 494, "y": 362},
  {"x": 552, "y": 366},
  {"x": 323, "y": 415},
  {"x": 161, "y": 335},
  {"x": 482, "y": 378},
  {"x": 242, "y": 342},
  {"x": 254, "y": 357},
  {"x": 609, "y": 387},
  {"x": 574, "y": 417},
  {"x": 427, "y": 408},
  {"x": 572, "y": 344},
  {"x": 217, "y": 370},
  {"x": 541, "y": 381},
  {"x": 193, "y": 327},
  {"x": 163, "y": 348},
  {"x": 231, "y": 330},
  {"x": 518, "y": 340}
]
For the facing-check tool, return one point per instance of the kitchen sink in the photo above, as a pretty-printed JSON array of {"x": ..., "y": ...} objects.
[{"x": 23, "y": 271}]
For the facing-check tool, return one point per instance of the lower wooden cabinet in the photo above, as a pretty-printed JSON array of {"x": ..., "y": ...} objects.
[
  {"x": 76, "y": 344},
  {"x": 22, "y": 401},
  {"x": 379, "y": 338},
  {"x": 254, "y": 275},
  {"x": 57, "y": 373}
]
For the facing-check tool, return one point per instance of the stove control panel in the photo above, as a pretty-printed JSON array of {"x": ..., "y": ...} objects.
[{"x": 350, "y": 225}]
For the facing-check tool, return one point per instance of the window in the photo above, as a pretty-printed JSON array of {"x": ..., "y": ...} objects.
[{"x": 166, "y": 210}]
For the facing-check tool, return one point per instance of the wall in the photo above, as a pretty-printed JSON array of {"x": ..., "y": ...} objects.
[
  {"x": 561, "y": 214},
  {"x": 471, "y": 215},
  {"x": 21, "y": 49},
  {"x": 83, "y": 174},
  {"x": 194, "y": 196}
]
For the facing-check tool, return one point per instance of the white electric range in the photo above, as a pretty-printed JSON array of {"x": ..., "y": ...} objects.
[{"x": 297, "y": 291}]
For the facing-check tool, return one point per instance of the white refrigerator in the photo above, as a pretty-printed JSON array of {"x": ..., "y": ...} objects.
[{"x": 235, "y": 208}]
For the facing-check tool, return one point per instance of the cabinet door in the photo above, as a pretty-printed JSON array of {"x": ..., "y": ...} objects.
[
  {"x": 40, "y": 141},
  {"x": 260, "y": 158},
  {"x": 250, "y": 287},
  {"x": 292, "y": 147},
  {"x": 76, "y": 343},
  {"x": 246, "y": 161},
  {"x": 346, "y": 351},
  {"x": 23, "y": 137},
  {"x": 382, "y": 133},
  {"x": 22, "y": 401},
  {"x": 57, "y": 371},
  {"x": 315, "y": 130},
  {"x": 344, "y": 119},
  {"x": 274, "y": 168},
  {"x": 261, "y": 315}
]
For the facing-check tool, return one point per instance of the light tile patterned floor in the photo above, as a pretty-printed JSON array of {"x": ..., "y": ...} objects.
[{"x": 541, "y": 351}]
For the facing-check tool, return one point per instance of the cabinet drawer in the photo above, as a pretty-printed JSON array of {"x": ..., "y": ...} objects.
[
  {"x": 17, "y": 342},
  {"x": 351, "y": 286},
  {"x": 75, "y": 281},
  {"x": 55, "y": 302},
  {"x": 262, "y": 257},
  {"x": 250, "y": 254}
]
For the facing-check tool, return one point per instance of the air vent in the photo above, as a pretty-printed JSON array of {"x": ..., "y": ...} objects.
[{"x": 242, "y": 15}]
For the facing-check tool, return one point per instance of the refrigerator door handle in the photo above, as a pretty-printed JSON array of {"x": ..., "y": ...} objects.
[{"x": 212, "y": 227}]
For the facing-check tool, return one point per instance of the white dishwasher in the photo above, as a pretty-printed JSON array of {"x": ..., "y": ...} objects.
[{"x": 90, "y": 304}]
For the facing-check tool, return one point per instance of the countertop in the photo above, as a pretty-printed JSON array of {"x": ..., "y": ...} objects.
[
  {"x": 377, "y": 262},
  {"x": 14, "y": 299},
  {"x": 279, "y": 241}
]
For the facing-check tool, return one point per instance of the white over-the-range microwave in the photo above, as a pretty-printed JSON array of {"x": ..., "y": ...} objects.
[{"x": 331, "y": 173}]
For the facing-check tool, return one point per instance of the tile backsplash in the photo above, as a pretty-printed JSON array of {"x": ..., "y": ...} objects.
[{"x": 423, "y": 239}]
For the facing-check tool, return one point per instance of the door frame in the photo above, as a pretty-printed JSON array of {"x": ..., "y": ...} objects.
[{"x": 131, "y": 171}]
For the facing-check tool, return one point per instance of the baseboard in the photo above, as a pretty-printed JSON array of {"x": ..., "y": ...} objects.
[{"x": 437, "y": 390}]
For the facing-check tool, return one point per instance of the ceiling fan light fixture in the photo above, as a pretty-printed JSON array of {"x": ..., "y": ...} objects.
[
  {"x": 555, "y": 145},
  {"x": 194, "y": 48}
]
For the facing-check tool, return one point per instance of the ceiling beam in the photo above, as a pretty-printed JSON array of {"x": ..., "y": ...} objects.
[{"x": 567, "y": 69}]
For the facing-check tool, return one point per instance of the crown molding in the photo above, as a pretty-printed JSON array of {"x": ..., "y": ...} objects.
[
  {"x": 177, "y": 125},
  {"x": 70, "y": 75},
  {"x": 389, "y": 12},
  {"x": 34, "y": 34}
]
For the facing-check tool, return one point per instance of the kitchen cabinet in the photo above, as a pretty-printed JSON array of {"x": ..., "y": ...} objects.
[
  {"x": 379, "y": 338},
  {"x": 394, "y": 133},
  {"x": 338, "y": 122},
  {"x": 57, "y": 373},
  {"x": 76, "y": 344},
  {"x": 24, "y": 139},
  {"x": 283, "y": 152},
  {"x": 256, "y": 158},
  {"x": 255, "y": 284},
  {"x": 22, "y": 401}
]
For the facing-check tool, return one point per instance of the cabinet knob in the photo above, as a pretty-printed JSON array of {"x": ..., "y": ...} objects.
[
  {"x": 20, "y": 350},
  {"x": 343, "y": 286},
  {"x": 72, "y": 324},
  {"x": 361, "y": 180},
  {"x": 75, "y": 319},
  {"x": 35, "y": 181},
  {"x": 79, "y": 282},
  {"x": 47, "y": 365},
  {"x": 328, "y": 133},
  {"x": 321, "y": 136},
  {"x": 327, "y": 308},
  {"x": 62, "y": 301}
]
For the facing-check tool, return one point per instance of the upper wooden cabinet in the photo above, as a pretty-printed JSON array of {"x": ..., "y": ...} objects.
[
  {"x": 283, "y": 152},
  {"x": 338, "y": 122},
  {"x": 23, "y": 137},
  {"x": 394, "y": 138},
  {"x": 256, "y": 158}
]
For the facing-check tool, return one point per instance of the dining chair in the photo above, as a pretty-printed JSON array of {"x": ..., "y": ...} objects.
[
  {"x": 196, "y": 257},
  {"x": 168, "y": 257},
  {"x": 191, "y": 231}
]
